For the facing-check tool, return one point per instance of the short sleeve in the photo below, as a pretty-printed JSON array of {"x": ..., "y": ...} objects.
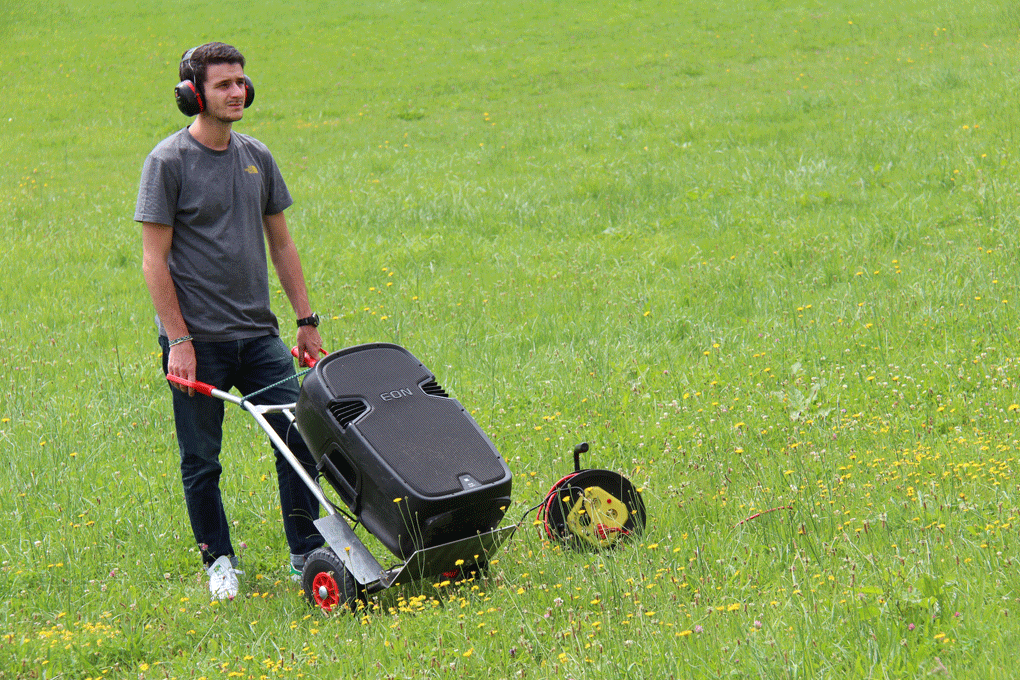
[{"x": 157, "y": 192}]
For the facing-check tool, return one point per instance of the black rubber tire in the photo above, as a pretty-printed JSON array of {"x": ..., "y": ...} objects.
[{"x": 327, "y": 583}]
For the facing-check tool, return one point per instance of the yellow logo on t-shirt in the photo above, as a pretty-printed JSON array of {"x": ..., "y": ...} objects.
[{"x": 252, "y": 170}]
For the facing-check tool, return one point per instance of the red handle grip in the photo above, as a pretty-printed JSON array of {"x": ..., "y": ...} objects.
[
  {"x": 201, "y": 387},
  {"x": 307, "y": 359}
]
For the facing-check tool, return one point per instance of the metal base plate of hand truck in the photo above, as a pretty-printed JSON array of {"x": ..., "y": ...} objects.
[{"x": 438, "y": 560}]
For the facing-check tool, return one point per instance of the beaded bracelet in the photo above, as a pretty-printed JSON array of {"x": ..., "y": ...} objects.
[{"x": 183, "y": 338}]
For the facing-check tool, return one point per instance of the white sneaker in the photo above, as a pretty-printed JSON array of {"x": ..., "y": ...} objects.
[
  {"x": 223, "y": 579},
  {"x": 297, "y": 565}
]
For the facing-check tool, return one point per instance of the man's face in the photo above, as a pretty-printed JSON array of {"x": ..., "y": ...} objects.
[{"x": 224, "y": 92}]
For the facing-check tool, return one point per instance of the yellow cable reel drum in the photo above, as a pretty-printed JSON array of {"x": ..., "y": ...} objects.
[{"x": 593, "y": 509}]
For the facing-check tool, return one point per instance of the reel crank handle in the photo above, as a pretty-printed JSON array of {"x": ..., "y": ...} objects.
[{"x": 578, "y": 450}]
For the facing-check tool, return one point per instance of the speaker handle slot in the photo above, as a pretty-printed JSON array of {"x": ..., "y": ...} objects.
[{"x": 344, "y": 474}]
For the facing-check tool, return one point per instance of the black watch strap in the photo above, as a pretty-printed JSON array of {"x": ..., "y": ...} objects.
[{"x": 312, "y": 320}]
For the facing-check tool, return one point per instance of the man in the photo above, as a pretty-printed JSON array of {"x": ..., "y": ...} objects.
[{"x": 210, "y": 200}]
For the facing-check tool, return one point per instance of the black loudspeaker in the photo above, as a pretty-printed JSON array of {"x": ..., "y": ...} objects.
[
  {"x": 188, "y": 94},
  {"x": 408, "y": 460}
]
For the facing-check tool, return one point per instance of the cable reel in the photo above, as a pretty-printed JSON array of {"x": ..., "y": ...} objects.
[{"x": 592, "y": 509}]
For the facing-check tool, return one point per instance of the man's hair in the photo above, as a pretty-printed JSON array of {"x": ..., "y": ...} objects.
[{"x": 194, "y": 68}]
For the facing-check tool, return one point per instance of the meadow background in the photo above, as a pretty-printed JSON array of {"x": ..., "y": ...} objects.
[{"x": 761, "y": 255}]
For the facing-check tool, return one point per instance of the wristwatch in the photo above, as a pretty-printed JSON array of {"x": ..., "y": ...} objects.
[{"x": 312, "y": 320}]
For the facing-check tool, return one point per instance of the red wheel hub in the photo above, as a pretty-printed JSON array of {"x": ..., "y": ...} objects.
[{"x": 325, "y": 591}]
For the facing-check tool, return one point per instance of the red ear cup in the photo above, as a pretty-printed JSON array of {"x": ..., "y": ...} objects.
[
  {"x": 189, "y": 100},
  {"x": 249, "y": 92}
]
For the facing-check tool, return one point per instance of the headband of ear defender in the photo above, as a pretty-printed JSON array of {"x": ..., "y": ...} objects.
[{"x": 188, "y": 93}]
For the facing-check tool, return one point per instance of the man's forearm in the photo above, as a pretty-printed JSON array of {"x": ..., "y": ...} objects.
[
  {"x": 292, "y": 279},
  {"x": 156, "y": 240}
]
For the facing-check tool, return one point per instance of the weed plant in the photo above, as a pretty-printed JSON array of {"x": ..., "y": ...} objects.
[{"x": 762, "y": 256}]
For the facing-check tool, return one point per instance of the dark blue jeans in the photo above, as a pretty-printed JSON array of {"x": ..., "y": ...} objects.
[{"x": 248, "y": 365}]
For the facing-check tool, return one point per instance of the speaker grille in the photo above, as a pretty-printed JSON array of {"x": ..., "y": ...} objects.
[
  {"x": 431, "y": 444},
  {"x": 411, "y": 423}
]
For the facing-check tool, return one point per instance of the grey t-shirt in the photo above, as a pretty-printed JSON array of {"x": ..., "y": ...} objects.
[{"x": 215, "y": 201}]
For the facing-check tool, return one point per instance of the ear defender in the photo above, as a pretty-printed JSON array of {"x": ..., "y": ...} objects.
[
  {"x": 189, "y": 97},
  {"x": 249, "y": 92},
  {"x": 189, "y": 101}
]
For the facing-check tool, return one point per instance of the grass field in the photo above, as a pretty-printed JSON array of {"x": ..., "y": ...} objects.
[{"x": 761, "y": 255}]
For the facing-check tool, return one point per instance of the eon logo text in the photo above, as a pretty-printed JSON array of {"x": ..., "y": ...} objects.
[{"x": 395, "y": 394}]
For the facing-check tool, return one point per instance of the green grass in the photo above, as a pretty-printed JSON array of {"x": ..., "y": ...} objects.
[{"x": 761, "y": 255}]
